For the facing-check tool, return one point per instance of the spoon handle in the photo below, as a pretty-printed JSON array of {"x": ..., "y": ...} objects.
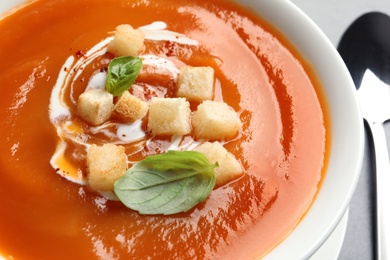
[{"x": 382, "y": 190}]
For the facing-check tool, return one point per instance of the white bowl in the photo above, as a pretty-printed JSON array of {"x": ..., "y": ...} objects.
[{"x": 346, "y": 127}]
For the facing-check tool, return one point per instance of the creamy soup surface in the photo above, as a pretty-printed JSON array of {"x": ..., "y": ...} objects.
[{"x": 51, "y": 51}]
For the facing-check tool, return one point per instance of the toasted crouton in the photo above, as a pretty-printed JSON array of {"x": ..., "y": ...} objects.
[
  {"x": 130, "y": 108},
  {"x": 169, "y": 116},
  {"x": 127, "y": 41},
  {"x": 95, "y": 106},
  {"x": 229, "y": 168},
  {"x": 196, "y": 83},
  {"x": 105, "y": 165},
  {"x": 215, "y": 121}
]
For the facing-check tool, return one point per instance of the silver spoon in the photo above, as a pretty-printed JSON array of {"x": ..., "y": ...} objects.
[
  {"x": 374, "y": 98},
  {"x": 365, "y": 47}
]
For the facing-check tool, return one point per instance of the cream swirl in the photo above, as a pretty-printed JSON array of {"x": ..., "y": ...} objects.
[{"x": 74, "y": 137}]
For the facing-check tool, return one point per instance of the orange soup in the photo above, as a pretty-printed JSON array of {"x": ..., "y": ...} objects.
[{"x": 282, "y": 146}]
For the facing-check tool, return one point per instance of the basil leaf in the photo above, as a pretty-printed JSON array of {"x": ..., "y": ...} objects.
[
  {"x": 167, "y": 183},
  {"x": 122, "y": 72}
]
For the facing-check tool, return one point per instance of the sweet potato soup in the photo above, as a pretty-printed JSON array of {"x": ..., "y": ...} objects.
[{"x": 50, "y": 51}]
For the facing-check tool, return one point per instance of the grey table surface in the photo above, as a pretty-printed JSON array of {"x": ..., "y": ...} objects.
[{"x": 334, "y": 17}]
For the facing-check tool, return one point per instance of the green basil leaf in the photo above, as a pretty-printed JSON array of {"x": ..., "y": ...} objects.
[
  {"x": 122, "y": 72},
  {"x": 167, "y": 183}
]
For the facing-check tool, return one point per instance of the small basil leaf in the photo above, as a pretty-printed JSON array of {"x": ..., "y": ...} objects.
[
  {"x": 167, "y": 183},
  {"x": 122, "y": 72}
]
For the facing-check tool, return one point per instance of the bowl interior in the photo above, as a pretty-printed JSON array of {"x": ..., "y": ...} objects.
[
  {"x": 346, "y": 128},
  {"x": 346, "y": 125}
]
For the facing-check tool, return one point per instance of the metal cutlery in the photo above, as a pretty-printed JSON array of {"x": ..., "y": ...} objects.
[
  {"x": 374, "y": 98},
  {"x": 365, "y": 48}
]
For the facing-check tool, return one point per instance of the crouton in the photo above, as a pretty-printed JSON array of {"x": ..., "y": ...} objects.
[
  {"x": 130, "y": 108},
  {"x": 229, "y": 168},
  {"x": 105, "y": 165},
  {"x": 215, "y": 121},
  {"x": 95, "y": 106},
  {"x": 127, "y": 41},
  {"x": 196, "y": 83},
  {"x": 169, "y": 116}
]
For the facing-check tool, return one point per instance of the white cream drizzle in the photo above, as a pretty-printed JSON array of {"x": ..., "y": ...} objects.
[
  {"x": 97, "y": 81},
  {"x": 156, "y": 32},
  {"x": 57, "y": 108},
  {"x": 161, "y": 64},
  {"x": 61, "y": 116},
  {"x": 131, "y": 132}
]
